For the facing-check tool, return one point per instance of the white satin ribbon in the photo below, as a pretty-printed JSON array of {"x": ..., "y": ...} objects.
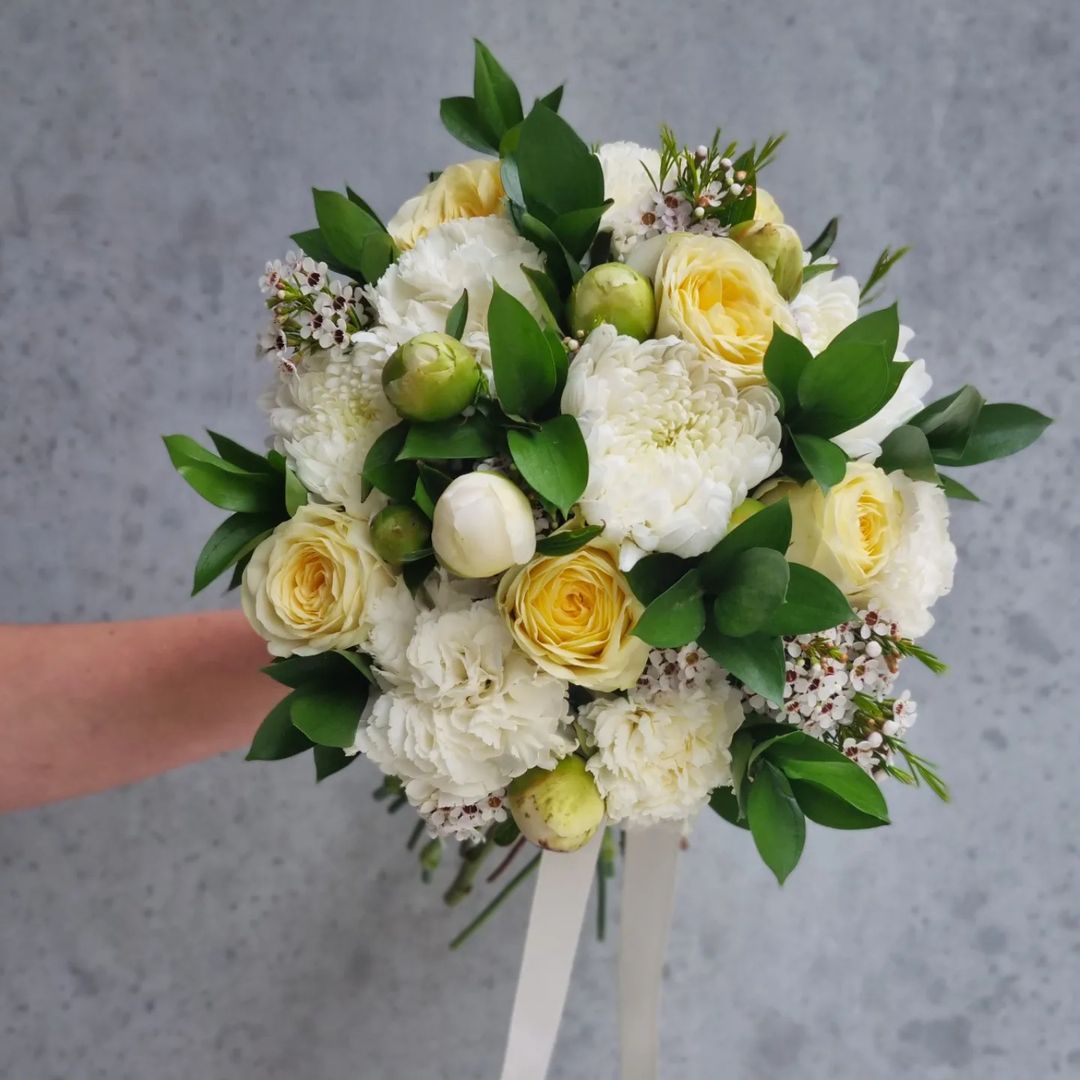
[
  {"x": 648, "y": 899},
  {"x": 558, "y": 909}
]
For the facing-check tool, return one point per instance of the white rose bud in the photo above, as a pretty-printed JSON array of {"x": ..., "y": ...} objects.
[{"x": 483, "y": 525}]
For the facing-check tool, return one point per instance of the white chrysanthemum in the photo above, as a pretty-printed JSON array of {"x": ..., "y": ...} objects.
[
  {"x": 659, "y": 756},
  {"x": 825, "y": 306},
  {"x": 627, "y": 168},
  {"x": 475, "y": 714},
  {"x": 326, "y": 415},
  {"x": 673, "y": 445},
  {"x": 416, "y": 293},
  {"x": 920, "y": 571}
]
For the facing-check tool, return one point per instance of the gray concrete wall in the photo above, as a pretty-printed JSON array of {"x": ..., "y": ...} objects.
[{"x": 232, "y": 921}]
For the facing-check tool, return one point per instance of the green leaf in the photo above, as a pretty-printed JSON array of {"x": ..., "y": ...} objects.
[
  {"x": 458, "y": 316},
  {"x": 552, "y": 99},
  {"x": 813, "y": 603},
  {"x": 552, "y": 307},
  {"x": 825, "y": 460},
  {"x": 812, "y": 270},
  {"x": 361, "y": 664},
  {"x": 450, "y": 440},
  {"x": 741, "y": 746},
  {"x": 378, "y": 253},
  {"x": 312, "y": 243},
  {"x": 364, "y": 205},
  {"x": 755, "y": 586},
  {"x": 237, "y": 576},
  {"x": 824, "y": 808},
  {"x": 231, "y": 540},
  {"x": 564, "y": 269},
  {"x": 576, "y": 228},
  {"x": 184, "y": 450},
  {"x": 328, "y": 669},
  {"x": 777, "y": 824},
  {"x": 329, "y": 760},
  {"x": 238, "y": 455},
  {"x": 785, "y": 360},
  {"x": 521, "y": 361},
  {"x": 559, "y": 173},
  {"x": 247, "y": 493},
  {"x": 676, "y": 617},
  {"x": 906, "y": 448},
  {"x": 553, "y": 460},
  {"x": 808, "y": 759},
  {"x": 344, "y": 226},
  {"x": 328, "y": 716},
  {"x": 823, "y": 243},
  {"x": 1000, "y": 430},
  {"x": 723, "y": 801},
  {"x": 276, "y": 737},
  {"x": 875, "y": 328},
  {"x": 655, "y": 574},
  {"x": 949, "y": 421},
  {"x": 955, "y": 490},
  {"x": 768, "y": 528},
  {"x": 567, "y": 541},
  {"x": 843, "y": 386},
  {"x": 416, "y": 573},
  {"x": 296, "y": 495},
  {"x": 559, "y": 358},
  {"x": 756, "y": 660},
  {"x": 430, "y": 484},
  {"x": 497, "y": 97},
  {"x": 384, "y": 472},
  {"x": 461, "y": 117}
]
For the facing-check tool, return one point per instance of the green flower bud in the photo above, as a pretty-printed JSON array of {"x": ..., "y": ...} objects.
[
  {"x": 746, "y": 509},
  {"x": 558, "y": 809},
  {"x": 431, "y": 377},
  {"x": 778, "y": 247},
  {"x": 399, "y": 531},
  {"x": 617, "y": 294}
]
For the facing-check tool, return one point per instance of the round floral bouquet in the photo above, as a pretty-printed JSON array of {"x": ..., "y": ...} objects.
[{"x": 597, "y": 498}]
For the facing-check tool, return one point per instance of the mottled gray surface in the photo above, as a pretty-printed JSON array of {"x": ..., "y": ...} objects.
[{"x": 233, "y": 922}]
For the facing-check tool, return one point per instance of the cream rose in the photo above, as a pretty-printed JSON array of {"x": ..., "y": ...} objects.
[
  {"x": 574, "y": 616},
  {"x": 311, "y": 585},
  {"x": 712, "y": 293},
  {"x": 471, "y": 189},
  {"x": 880, "y": 538},
  {"x": 767, "y": 209}
]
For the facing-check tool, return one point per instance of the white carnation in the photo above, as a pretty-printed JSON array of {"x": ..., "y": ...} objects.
[
  {"x": 673, "y": 444},
  {"x": 921, "y": 568},
  {"x": 825, "y": 306},
  {"x": 326, "y": 415},
  {"x": 472, "y": 712},
  {"x": 659, "y": 756},
  {"x": 416, "y": 293},
  {"x": 627, "y": 168}
]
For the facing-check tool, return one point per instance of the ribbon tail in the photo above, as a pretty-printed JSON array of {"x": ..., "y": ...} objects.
[
  {"x": 558, "y": 909},
  {"x": 648, "y": 898}
]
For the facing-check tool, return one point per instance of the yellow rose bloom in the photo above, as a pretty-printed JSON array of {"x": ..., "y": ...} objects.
[
  {"x": 712, "y": 293},
  {"x": 310, "y": 585},
  {"x": 471, "y": 189},
  {"x": 767, "y": 209},
  {"x": 574, "y": 614},
  {"x": 849, "y": 534}
]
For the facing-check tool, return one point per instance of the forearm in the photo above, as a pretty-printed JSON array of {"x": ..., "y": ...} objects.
[{"x": 84, "y": 707}]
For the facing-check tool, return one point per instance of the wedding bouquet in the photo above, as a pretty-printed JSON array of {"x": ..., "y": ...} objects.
[{"x": 596, "y": 499}]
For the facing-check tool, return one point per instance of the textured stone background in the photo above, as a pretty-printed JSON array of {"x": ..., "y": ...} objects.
[{"x": 232, "y": 921}]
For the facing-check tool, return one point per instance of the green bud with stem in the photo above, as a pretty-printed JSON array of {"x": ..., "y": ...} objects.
[
  {"x": 778, "y": 247},
  {"x": 558, "y": 809},
  {"x": 431, "y": 377},
  {"x": 398, "y": 532},
  {"x": 617, "y": 294}
]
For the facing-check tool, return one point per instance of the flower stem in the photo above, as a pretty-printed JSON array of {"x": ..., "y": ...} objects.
[
  {"x": 466, "y": 875},
  {"x": 488, "y": 911},
  {"x": 508, "y": 860}
]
